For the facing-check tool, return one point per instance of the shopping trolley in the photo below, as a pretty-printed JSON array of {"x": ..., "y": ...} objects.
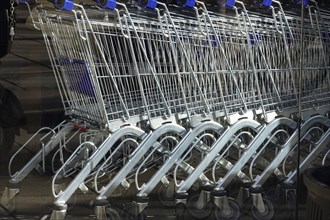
[{"x": 199, "y": 95}]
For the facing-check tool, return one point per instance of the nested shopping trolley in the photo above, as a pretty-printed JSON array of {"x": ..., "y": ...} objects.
[{"x": 204, "y": 97}]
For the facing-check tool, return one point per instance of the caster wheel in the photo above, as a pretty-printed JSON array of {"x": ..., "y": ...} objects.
[
  {"x": 141, "y": 216},
  {"x": 291, "y": 201},
  {"x": 166, "y": 196},
  {"x": 289, "y": 205},
  {"x": 128, "y": 213},
  {"x": 180, "y": 211},
  {"x": 232, "y": 214},
  {"x": 268, "y": 214},
  {"x": 112, "y": 214},
  {"x": 9, "y": 209},
  {"x": 45, "y": 217},
  {"x": 195, "y": 211}
]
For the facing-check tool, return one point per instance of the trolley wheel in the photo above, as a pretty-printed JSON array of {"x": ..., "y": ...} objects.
[
  {"x": 45, "y": 217},
  {"x": 112, "y": 214},
  {"x": 234, "y": 213},
  {"x": 291, "y": 201},
  {"x": 180, "y": 211},
  {"x": 195, "y": 211},
  {"x": 127, "y": 213},
  {"x": 141, "y": 216},
  {"x": 290, "y": 205},
  {"x": 5, "y": 212},
  {"x": 165, "y": 197},
  {"x": 268, "y": 214}
]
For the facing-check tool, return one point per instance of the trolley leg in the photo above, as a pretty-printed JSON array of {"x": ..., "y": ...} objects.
[
  {"x": 200, "y": 205},
  {"x": 243, "y": 193},
  {"x": 180, "y": 205},
  {"x": 8, "y": 200},
  {"x": 94, "y": 160},
  {"x": 12, "y": 190},
  {"x": 59, "y": 212},
  {"x": 100, "y": 208},
  {"x": 288, "y": 198},
  {"x": 225, "y": 207},
  {"x": 262, "y": 208},
  {"x": 140, "y": 205}
]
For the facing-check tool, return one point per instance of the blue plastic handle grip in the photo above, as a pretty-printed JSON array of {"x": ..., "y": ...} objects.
[
  {"x": 64, "y": 4},
  {"x": 187, "y": 3},
  {"x": 151, "y": 4},
  {"x": 230, "y": 3},
  {"x": 190, "y": 3},
  {"x": 267, "y": 3},
  {"x": 305, "y": 2},
  {"x": 22, "y": 1},
  {"x": 109, "y": 4}
]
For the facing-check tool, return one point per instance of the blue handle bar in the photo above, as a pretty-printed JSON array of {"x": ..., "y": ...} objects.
[
  {"x": 64, "y": 4},
  {"x": 267, "y": 3},
  {"x": 109, "y": 4},
  {"x": 189, "y": 3},
  {"x": 230, "y": 3}
]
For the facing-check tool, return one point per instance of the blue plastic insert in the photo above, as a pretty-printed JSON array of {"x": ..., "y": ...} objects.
[
  {"x": 109, "y": 4},
  {"x": 78, "y": 76},
  {"x": 230, "y": 3},
  {"x": 267, "y": 3},
  {"x": 64, "y": 4}
]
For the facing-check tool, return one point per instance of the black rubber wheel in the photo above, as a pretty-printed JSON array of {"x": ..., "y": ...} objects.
[
  {"x": 291, "y": 201},
  {"x": 165, "y": 198},
  {"x": 45, "y": 217},
  {"x": 233, "y": 214},
  {"x": 195, "y": 211},
  {"x": 180, "y": 211},
  {"x": 127, "y": 213},
  {"x": 289, "y": 205},
  {"x": 268, "y": 214},
  {"x": 112, "y": 214},
  {"x": 141, "y": 216},
  {"x": 5, "y": 212}
]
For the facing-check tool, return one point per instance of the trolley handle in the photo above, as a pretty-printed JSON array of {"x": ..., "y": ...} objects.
[
  {"x": 201, "y": 12},
  {"x": 268, "y": 4},
  {"x": 123, "y": 18},
  {"x": 78, "y": 15},
  {"x": 68, "y": 5},
  {"x": 232, "y": 4},
  {"x": 311, "y": 13},
  {"x": 163, "y": 18},
  {"x": 34, "y": 22},
  {"x": 121, "y": 14},
  {"x": 64, "y": 4},
  {"x": 111, "y": 4}
]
